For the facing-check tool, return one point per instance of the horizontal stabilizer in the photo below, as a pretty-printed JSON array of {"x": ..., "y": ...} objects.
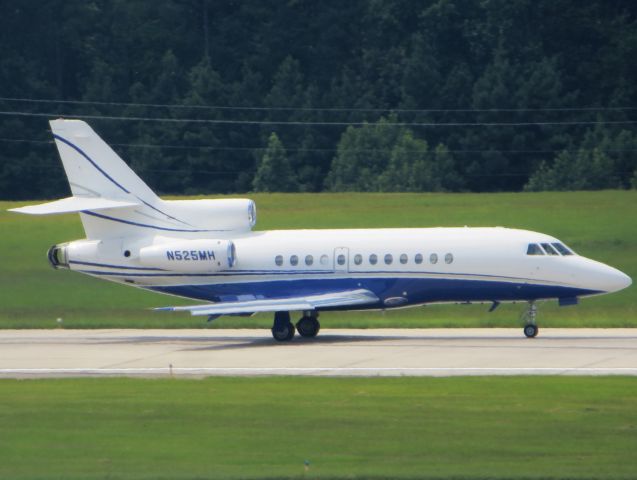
[
  {"x": 309, "y": 302},
  {"x": 73, "y": 205}
]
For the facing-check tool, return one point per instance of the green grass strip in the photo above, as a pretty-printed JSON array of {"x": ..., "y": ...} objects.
[{"x": 256, "y": 428}]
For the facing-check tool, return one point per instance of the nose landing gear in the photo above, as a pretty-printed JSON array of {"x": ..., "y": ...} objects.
[
  {"x": 529, "y": 318},
  {"x": 530, "y": 331}
]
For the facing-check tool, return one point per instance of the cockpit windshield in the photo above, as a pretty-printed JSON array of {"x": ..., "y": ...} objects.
[
  {"x": 555, "y": 249},
  {"x": 549, "y": 249},
  {"x": 563, "y": 249}
]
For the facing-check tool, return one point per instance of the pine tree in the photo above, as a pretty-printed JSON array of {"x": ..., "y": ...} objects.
[{"x": 274, "y": 173}]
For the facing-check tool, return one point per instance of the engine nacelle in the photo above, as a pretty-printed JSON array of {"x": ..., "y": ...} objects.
[
  {"x": 190, "y": 255},
  {"x": 231, "y": 214},
  {"x": 84, "y": 253}
]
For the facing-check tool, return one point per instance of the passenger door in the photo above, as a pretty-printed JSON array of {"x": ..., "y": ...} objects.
[{"x": 341, "y": 260}]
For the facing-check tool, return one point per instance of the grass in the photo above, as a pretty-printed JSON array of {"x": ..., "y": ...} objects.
[
  {"x": 473, "y": 428},
  {"x": 600, "y": 225}
]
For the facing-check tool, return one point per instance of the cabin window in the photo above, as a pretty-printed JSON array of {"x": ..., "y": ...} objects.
[
  {"x": 534, "y": 249},
  {"x": 278, "y": 260},
  {"x": 294, "y": 260},
  {"x": 309, "y": 260},
  {"x": 418, "y": 258},
  {"x": 340, "y": 259},
  {"x": 324, "y": 260},
  {"x": 389, "y": 259},
  {"x": 373, "y": 259},
  {"x": 358, "y": 259},
  {"x": 433, "y": 258},
  {"x": 563, "y": 249},
  {"x": 448, "y": 258},
  {"x": 548, "y": 249},
  {"x": 403, "y": 258}
]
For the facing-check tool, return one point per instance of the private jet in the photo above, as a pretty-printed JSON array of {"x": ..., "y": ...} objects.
[{"x": 207, "y": 250}]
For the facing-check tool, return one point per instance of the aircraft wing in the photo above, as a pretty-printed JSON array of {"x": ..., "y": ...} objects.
[{"x": 309, "y": 302}]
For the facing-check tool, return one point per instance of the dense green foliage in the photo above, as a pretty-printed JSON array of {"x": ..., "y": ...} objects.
[
  {"x": 483, "y": 95},
  {"x": 354, "y": 428},
  {"x": 599, "y": 225},
  {"x": 381, "y": 157},
  {"x": 274, "y": 173},
  {"x": 593, "y": 165}
]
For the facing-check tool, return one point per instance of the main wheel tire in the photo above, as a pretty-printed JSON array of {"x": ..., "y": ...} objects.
[
  {"x": 285, "y": 334},
  {"x": 530, "y": 331},
  {"x": 308, "y": 327}
]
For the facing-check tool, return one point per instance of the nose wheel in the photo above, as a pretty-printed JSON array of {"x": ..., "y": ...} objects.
[
  {"x": 530, "y": 331},
  {"x": 530, "y": 325}
]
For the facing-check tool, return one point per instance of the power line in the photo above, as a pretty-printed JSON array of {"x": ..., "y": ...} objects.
[
  {"x": 325, "y": 150},
  {"x": 317, "y": 109},
  {"x": 252, "y": 171},
  {"x": 317, "y": 123}
]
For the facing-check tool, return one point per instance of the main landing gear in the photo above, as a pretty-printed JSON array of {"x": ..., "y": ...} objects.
[
  {"x": 308, "y": 326},
  {"x": 283, "y": 329},
  {"x": 530, "y": 325}
]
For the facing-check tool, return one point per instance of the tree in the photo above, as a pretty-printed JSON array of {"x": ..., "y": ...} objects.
[
  {"x": 274, "y": 173},
  {"x": 410, "y": 168},
  {"x": 387, "y": 157},
  {"x": 206, "y": 167},
  {"x": 444, "y": 169},
  {"x": 516, "y": 82},
  {"x": 580, "y": 170},
  {"x": 362, "y": 156},
  {"x": 413, "y": 167},
  {"x": 601, "y": 160},
  {"x": 508, "y": 92}
]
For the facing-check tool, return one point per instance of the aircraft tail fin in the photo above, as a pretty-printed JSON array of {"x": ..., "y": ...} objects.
[
  {"x": 92, "y": 167},
  {"x": 111, "y": 199},
  {"x": 114, "y": 202}
]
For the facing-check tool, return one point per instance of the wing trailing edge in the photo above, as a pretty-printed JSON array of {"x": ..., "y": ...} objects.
[{"x": 308, "y": 302}]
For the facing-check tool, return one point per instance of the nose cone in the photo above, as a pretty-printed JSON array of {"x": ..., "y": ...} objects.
[
  {"x": 600, "y": 277},
  {"x": 617, "y": 280},
  {"x": 610, "y": 279}
]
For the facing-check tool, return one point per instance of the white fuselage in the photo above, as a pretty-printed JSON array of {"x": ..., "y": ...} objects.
[{"x": 401, "y": 266}]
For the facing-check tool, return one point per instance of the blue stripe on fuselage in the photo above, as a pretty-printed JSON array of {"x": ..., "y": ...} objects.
[
  {"x": 297, "y": 273},
  {"x": 418, "y": 290},
  {"x": 107, "y": 265}
]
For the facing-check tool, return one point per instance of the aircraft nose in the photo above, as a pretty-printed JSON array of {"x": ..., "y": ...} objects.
[
  {"x": 600, "y": 277},
  {"x": 615, "y": 280}
]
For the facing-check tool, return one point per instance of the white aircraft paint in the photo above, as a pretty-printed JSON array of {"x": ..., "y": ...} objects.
[{"x": 206, "y": 250}]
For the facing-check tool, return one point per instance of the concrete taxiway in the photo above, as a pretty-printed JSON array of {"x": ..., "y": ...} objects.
[{"x": 418, "y": 352}]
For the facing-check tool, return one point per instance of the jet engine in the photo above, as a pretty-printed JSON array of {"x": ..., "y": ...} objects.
[
  {"x": 220, "y": 214},
  {"x": 190, "y": 255}
]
